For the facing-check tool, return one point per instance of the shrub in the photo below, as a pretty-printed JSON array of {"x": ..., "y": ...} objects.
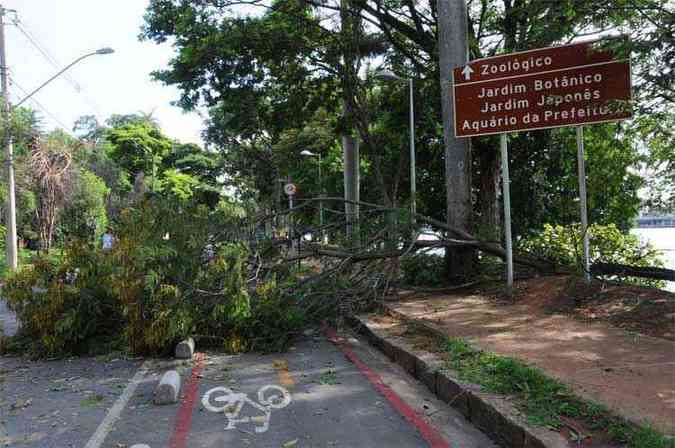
[
  {"x": 67, "y": 306},
  {"x": 423, "y": 270},
  {"x": 274, "y": 319},
  {"x": 84, "y": 215},
  {"x": 563, "y": 245},
  {"x": 152, "y": 289}
]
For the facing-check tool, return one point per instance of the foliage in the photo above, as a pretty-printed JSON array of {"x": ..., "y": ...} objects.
[
  {"x": 608, "y": 244},
  {"x": 84, "y": 216},
  {"x": 25, "y": 255},
  {"x": 272, "y": 77},
  {"x": 543, "y": 399},
  {"x": 155, "y": 287},
  {"x": 657, "y": 131},
  {"x": 544, "y": 185},
  {"x": 273, "y": 321},
  {"x": 51, "y": 166},
  {"x": 165, "y": 289},
  {"x": 138, "y": 147},
  {"x": 66, "y": 307},
  {"x": 26, "y": 125},
  {"x": 423, "y": 270}
]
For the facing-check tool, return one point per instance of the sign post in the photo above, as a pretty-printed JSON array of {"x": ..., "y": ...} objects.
[
  {"x": 506, "y": 188},
  {"x": 569, "y": 85},
  {"x": 581, "y": 164},
  {"x": 290, "y": 189}
]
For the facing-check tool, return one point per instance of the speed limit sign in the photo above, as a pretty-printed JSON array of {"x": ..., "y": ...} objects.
[{"x": 290, "y": 189}]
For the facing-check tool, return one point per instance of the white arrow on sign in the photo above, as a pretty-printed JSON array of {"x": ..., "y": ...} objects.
[{"x": 467, "y": 72}]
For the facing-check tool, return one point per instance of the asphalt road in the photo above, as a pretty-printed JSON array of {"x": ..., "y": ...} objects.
[{"x": 319, "y": 394}]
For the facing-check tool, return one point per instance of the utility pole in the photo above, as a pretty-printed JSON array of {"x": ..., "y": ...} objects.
[
  {"x": 10, "y": 219},
  {"x": 350, "y": 153},
  {"x": 350, "y": 145},
  {"x": 453, "y": 52}
]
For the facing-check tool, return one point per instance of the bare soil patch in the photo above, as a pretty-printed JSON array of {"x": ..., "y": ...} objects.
[
  {"x": 612, "y": 344},
  {"x": 648, "y": 311}
]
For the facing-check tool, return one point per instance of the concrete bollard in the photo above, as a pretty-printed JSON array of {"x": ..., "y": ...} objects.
[
  {"x": 168, "y": 388},
  {"x": 185, "y": 349}
]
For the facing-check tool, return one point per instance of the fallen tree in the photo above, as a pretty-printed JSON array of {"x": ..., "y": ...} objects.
[
  {"x": 623, "y": 270},
  {"x": 179, "y": 269}
]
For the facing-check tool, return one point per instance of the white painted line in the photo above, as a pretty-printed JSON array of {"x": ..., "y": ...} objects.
[{"x": 114, "y": 413}]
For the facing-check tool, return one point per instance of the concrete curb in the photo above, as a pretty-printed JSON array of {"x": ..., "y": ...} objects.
[
  {"x": 168, "y": 388},
  {"x": 185, "y": 349},
  {"x": 493, "y": 414}
]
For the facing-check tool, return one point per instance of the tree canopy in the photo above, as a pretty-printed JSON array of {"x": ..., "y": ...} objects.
[{"x": 273, "y": 81}]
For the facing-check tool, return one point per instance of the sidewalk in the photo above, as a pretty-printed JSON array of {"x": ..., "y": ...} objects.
[
  {"x": 8, "y": 322},
  {"x": 629, "y": 373}
]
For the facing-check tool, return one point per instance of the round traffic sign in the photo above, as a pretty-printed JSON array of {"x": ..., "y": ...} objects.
[{"x": 290, "y": 189}]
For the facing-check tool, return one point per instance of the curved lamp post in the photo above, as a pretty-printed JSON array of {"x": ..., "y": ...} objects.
[
  {"x": 307, "y": 153},
  {"x": 100, "y": 51},
  {"x": 388, "y": 75},
  {"x": 12, "y": 259}
]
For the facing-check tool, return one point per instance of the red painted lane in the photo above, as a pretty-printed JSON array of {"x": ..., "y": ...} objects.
[
  {"x": 184, "y": 415},
  {"x": 428, "y": 432}
]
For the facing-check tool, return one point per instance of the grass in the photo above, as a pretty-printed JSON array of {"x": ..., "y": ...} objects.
[
  {"x": 329, "y": 377},
  {"x": 92, "y": 401},
  {"x": 542, "y": 399},
  {"x": 25, "y": 256}
]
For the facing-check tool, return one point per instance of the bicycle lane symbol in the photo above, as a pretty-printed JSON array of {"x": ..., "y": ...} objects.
[{"x": 233, "y": 403}]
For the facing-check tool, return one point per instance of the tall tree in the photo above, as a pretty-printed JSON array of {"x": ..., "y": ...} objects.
[
  {"x": 50, "y": 163},
  {"x": 264, "y": 74},
  {"x": 138, "y": 147},
  {"x": 453, "y": 52}
]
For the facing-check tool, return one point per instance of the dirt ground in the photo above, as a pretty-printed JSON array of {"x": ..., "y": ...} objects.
[
  {"x": 611, "y": 344},
  {"x": 648, "y": 311}
]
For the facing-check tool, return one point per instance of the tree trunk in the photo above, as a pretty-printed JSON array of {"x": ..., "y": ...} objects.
[{"x": 453, "y": 52}]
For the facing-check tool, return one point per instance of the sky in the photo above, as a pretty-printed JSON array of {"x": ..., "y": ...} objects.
[{"x": 118, "y": 83}]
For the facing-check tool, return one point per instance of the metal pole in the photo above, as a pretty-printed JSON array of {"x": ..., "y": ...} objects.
[
  {"x": 350, "y": 147},
  {"x": 323, "y": 231},
  {"x": 413, "y": 187},
  {"x": 507, "y": 213},
  {"x": 10, "y": 220},
  {"x": 291, "y": 225},
  {"x": 582, "y": 201},
  {"x": 54, "y": 77}
]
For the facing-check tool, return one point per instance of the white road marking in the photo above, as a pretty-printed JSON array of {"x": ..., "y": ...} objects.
[
  {"x": 114, "y": 413},
  {"x": 235, "y": 402}
]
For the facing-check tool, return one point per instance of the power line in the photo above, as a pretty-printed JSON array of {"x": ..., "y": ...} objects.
[
  {"x": 39, "y": 105},
  {"x": 48, "y": 56},
  {"x": 57, "y": 65}
]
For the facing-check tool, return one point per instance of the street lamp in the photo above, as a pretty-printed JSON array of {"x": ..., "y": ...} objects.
[
  {"x": 388, "y": 75},
  {"x": 307, "y": 153},
  {"x": 12, "y": 260},
  {"x": 100, "y": 51}
]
